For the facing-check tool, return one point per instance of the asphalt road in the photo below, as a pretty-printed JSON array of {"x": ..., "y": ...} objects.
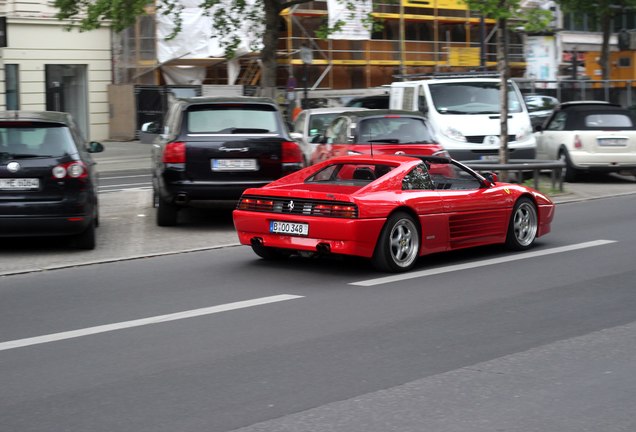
[{"x": 218, "y": 340}]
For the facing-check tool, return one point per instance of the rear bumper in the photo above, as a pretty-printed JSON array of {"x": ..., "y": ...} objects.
[
  {"x": 604, "y": 162},
  {"x": 183, "y": 192},
  {"x": 40, "y": 226},
  {"x": 343, "y": 236}
]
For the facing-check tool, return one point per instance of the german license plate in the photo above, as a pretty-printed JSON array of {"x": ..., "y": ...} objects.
[
  {"x": 234, "y": 165},
  {"x": 612, "y": 141},
  {"x": 19, "y": 183},
  {"x": 278, "y": 227}
]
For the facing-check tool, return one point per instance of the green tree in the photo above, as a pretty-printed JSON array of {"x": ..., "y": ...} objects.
[
  {"x": 604, "y": 11},
  {"x": 505, "y": 12},
  {"x": 263, "y": 17}
]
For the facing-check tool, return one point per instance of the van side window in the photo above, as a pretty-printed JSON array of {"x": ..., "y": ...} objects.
[{"x": 421, "y": 101}]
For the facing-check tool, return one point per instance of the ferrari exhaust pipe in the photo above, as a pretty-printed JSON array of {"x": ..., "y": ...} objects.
[
  {"x": 256, "y": 241},
  {"x": 323, "y": 248}
]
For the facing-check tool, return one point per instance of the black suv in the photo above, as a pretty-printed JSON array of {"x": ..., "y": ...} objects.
[
  {"x": 213, "y": 148},
  {"x": 48, "y": 181}
]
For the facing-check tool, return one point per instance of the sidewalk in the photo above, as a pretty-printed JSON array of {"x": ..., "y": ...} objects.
[{"x": 134, "y": 155}]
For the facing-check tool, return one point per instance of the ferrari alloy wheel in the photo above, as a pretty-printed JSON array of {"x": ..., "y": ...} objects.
[
  {"x": 524, "y": 223},
  {"x": 399, "y": 244}
]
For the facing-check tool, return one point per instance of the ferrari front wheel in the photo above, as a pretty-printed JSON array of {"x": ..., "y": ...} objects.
[
  {"x": 523, "y": 226},
  {"x": 399, "y": 244}
]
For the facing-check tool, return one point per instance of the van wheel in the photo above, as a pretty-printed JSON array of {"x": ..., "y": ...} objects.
[{"x": 166, "y": 213}]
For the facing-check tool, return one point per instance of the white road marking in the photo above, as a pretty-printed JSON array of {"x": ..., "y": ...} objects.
[
  {"x": 482, "y": 263},
  {"x": 123, "y": 184},
  {"x": 18, "y": 343},
  {"x": 121, "y": 177}
]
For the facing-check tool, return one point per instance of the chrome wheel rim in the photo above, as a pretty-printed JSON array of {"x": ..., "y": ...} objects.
[
  {"x": 404, "y": 243},
  {"x": 525, "y": 224}
]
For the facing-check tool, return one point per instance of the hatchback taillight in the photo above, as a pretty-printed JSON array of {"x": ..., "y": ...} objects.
[
  {"x": 174, "y": 152},
  {"x": 75, "y": 169},
  {"x": 577, "y": 142},
  {"x": 291, "y": 152}
]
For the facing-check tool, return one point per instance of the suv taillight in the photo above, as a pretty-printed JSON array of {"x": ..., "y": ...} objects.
[
  {"x": 174, "y": 152},
  {"x": 75, "y": 169},
  {"x": 291, "y": 152}
]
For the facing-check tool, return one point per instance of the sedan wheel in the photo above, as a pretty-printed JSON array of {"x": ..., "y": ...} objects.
[
  {"x": 399, "y": 244},
  {"x": 523, "y": 227},
  {"x": 570, "y": 174}
]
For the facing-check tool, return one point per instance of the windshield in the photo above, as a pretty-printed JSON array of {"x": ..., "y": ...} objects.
[
  {"x": 472, "y": 98},
  {"x": 35, "y": 139},
  {"x": 393, "y": 130}
]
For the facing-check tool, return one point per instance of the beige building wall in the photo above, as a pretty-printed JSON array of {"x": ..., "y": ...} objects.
[{"x": 36, "y": 38}]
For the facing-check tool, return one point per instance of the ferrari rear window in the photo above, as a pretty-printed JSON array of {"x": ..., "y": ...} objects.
[
  {"x": 349, "y": 173},
  {"x": 232, "y": 119}
]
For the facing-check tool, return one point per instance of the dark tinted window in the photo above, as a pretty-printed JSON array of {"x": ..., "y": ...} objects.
[
  {"x": 35, "y": 139},
  {"x": 232, "y": 119}
]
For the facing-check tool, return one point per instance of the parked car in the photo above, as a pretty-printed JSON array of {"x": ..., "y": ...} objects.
[
  {"x": 589, "y": 136},
  {"x": 313, "y": 122},
  {"x": 370, "y": 102},
  {"x": 390, "y": 209},
  {"x": 539, "y": 107},
  {"x": 48, "y": 180},
  {"x": 377, "y": 132},
  {"x": 213, "y": 148}
]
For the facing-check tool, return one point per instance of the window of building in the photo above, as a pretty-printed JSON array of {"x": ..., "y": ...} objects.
[{"x": 12, "y": 74}]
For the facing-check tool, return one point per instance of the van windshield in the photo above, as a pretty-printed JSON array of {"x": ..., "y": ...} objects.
[{"x": 472, "y": 98}]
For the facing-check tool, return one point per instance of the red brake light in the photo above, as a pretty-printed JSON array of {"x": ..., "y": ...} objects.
[
  {"x": 577, "y": 142},
  {"x": 291, "y": 152},
  {"x": 174, "y": 152},
  {"x": 75, "y": 169}
]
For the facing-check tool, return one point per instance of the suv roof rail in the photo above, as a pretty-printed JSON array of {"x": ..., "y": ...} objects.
[{"x": 469, "y": 74}]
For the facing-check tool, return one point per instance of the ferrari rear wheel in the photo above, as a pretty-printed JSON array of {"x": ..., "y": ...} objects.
[
  {"x": 270, "y": 253},
  {"x": 399, "y": 244},
  {"x": 523, "y": 226}
]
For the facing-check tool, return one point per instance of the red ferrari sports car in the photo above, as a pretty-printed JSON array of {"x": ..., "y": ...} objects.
[{"x": 391, "y": 209}]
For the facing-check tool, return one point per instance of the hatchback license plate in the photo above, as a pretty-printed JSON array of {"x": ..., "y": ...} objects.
[
  {"x": 612, "y": 142},
  {"x": 293, "y": 228},
  {"x": 19, "y": 183},
  {"x": 234, "y": 165}
]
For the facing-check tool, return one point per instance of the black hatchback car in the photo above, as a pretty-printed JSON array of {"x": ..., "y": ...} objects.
[
  {"x": 48, "y": 180},
  {"x": 213, "y": 148}
]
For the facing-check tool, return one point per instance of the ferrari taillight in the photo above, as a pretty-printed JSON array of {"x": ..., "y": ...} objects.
[
  {"x": 174, "y": 152},
  {"x": 257, "y": 204},
  {"x": 577, "y": 142},
  {"x": 335, "y": 210}
]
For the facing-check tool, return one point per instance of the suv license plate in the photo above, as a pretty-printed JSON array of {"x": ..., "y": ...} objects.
[
  {"x": 19, "y": 183},
  {"x": 234, "y": 165},
  {"x": 292, "y": 228}
]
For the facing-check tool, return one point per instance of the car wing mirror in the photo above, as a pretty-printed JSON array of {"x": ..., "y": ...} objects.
[
  {"x": 538, "y": 128},
  {"x": 491, "y": 177},
  {"x": 95, "y": 147}
]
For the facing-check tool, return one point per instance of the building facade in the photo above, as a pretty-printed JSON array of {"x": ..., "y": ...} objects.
[{"x": 46, "y": 67}]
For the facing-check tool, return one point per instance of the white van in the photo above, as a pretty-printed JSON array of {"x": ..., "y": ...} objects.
[{"x": 464, "y": 114}]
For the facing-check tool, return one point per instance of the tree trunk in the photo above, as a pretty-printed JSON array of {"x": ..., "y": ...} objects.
[
  {"x": 606, "y": 21},
  {"x": 502, "y": 66},
  {"x": 268, "y": 53}
]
